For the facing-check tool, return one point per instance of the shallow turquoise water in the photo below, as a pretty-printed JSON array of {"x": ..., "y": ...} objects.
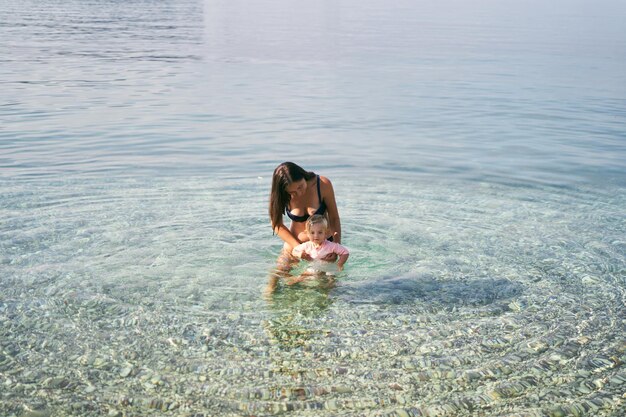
[{"x": 477, "y": 153}]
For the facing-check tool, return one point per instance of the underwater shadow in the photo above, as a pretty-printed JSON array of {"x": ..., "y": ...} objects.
[{"x": 431, "y": 292}]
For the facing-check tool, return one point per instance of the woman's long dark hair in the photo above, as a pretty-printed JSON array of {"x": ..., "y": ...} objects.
[{"x": 284, "y": 175}]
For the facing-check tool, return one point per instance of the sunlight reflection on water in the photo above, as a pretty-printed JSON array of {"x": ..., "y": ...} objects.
[
  {"x": 477, "y": 153},
  {"x": 477, "y": 298}
]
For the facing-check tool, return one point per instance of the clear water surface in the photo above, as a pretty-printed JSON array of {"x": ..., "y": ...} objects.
[{"x": 477, "y": 149}]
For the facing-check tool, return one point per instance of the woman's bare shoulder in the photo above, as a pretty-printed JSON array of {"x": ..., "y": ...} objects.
[
  {"x": 326, "y": 187},
  {"x": 328, "y": 193},
  {"x": 325, "y": 181}
]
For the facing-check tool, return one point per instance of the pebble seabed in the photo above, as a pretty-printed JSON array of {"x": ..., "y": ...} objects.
[
  {"x": 527, "y": 357},
  {"x": 500, "y": 332}
]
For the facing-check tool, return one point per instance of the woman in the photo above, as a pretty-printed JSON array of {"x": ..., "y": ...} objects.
[{"x": 301, "y": 194}]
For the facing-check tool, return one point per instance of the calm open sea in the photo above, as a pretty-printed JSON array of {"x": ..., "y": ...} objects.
[{"x": 478, "y": 154}]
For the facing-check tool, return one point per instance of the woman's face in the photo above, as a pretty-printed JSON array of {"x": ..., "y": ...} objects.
[{"x": 296, "y": 189}]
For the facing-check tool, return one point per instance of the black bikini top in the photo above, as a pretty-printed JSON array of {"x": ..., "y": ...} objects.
[{"x": 320, "y": 210}]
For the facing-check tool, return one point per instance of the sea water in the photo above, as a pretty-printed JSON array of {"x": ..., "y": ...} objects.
[{"x": 477, "y": 153}]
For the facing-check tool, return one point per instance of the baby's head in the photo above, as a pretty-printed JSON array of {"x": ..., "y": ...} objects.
[{"x": 316, "y": 228}]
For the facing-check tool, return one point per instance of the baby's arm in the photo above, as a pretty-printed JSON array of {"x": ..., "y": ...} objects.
[
  {"x": 342, "y": 260},
  {"x": 300, "y": 252}
]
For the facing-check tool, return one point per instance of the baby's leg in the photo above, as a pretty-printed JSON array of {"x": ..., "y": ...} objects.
[
  {"x": 294, "y": 280},
  {"x": 304, "y": 276}
]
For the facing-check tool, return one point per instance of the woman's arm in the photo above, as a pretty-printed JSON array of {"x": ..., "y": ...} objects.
[
  {"x": 334, "y": 223},
  {"x": 285, "y": 234}
]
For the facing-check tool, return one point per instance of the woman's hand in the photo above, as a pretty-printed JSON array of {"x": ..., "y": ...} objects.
[
  {"x": 303, "y": 236},
  {"x": 332, "y": 257},
  {"x": 306, "y": 257}
]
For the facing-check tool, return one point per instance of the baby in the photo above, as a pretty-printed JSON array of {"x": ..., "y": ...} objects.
[{"x": 317, "y": 247}]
